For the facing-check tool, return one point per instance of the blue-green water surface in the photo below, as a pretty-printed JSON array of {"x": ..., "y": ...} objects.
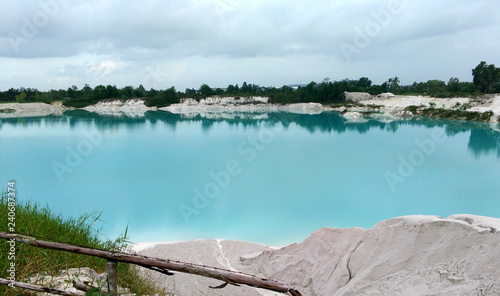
[{"x": 267, "y": 178}]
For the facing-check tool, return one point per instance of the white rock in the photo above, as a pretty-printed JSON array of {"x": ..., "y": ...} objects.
[
  {"x": 354, "y": 116},
  {"x": 357, "y": 96}
]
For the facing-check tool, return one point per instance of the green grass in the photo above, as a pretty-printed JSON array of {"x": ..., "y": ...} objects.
[{"x": 31, "y": 219}]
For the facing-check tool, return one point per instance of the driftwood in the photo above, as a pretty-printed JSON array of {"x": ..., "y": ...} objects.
[
  {"x": 226, "y": 276},
  {"x": 40, "y": 288}
]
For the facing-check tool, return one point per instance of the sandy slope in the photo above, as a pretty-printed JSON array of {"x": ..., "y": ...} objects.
[
  {"x": 27, "y": 110},
  {"x": 411, "y": 255}
]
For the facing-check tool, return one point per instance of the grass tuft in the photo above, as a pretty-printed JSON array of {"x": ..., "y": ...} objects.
[{"x": 31, "y": 219}]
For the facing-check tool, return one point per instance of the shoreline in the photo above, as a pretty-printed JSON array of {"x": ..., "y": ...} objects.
[{"x": 359, "y": 107}]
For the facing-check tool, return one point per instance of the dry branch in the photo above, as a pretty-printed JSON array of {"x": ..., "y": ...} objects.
[
  {"x": 40, "y": 288},
  {"x": 227, "y": 276}
]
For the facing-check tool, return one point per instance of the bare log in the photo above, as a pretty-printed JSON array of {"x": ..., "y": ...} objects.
[
  {"x": 210, "y": 272},
  {"x": 40, "y": 288}
]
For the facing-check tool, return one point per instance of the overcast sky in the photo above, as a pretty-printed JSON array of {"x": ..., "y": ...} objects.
[{"x": 52, "y": 44}]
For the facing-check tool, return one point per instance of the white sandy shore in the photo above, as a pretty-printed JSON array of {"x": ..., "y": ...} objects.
[
  {"x": 137, "y": 108},
  {"x": 410, "y": 255},
  {"x": 28, "y": 110},
  {"x": 387, "y": 107}
]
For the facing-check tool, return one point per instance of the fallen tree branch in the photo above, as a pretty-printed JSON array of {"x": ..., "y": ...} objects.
[
  {"x": 210, "y": 272},
  {"x": 39, "y": 288}
]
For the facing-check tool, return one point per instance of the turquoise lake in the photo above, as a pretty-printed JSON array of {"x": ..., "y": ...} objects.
[{"x": 267, "y": 178}]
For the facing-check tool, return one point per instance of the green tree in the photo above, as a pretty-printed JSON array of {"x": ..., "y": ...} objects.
[
  {"x": 454, "y": 85},
  {"x": 230, "y": 89},
  {"x": 21, "y": 97},
  {"x": 393, "y": 84},
  {"x": 140, "y": 92},
  {"x": 169, "y": 96},
  {"x": 486, "y": 77},
  {"x": 190, "y": 92},
  {"x": 436, "y": 87},
  {"x": 111, "y": 91},
  {"x": 99, "y": 92},
  {"x": 205, "y": 90},
  {"x": 71, "y": 93},
  {"x": 127, "y": 92},
  {"x": 87, "y": 89},
  {"x": 364, "y": 82}
]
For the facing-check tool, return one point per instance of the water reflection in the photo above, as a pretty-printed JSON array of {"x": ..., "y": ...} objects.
[{"x": 483, "y": 139}]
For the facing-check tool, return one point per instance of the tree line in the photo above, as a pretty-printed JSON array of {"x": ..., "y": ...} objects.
[{"x": 486, "y": 79}]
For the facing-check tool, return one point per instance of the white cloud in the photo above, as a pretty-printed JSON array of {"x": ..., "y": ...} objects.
[{"x": 228, "y": 41}]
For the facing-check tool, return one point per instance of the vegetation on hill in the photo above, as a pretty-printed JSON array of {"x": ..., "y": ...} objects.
[
  {"x": 31, "y": 219},
  {"x": 486, "y": 79},
  {"x": 453, "y": 114}
]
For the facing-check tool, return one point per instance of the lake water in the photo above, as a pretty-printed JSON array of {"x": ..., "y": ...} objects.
[{"x": 266, "y": 178}]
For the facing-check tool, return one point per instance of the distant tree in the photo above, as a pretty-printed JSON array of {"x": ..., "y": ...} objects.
[
  {"x": 436, "y": 87},
  {"x": 53, "y": 95},
  {"x": 486, "y": 77},
  {"x": 190, "y": 92},
  {"x": 162, "y": 98},
  {"x": 205, "y": 90},
  {"x": 308, "y": 93},
  {"x": 467, "y": 87},
  {"x": 454, "y": 85},
  {"x": 11, "y": 94},
  {"x": 71, "y": 93},
  {"x": 99, "y": 92},
  {"x": 140, "y": 92},
  {"x": 286, "y": 89},
  {"x": 127, "y": 92},
  {"x": 169, "y": 96},
  {"x": 393, "y": 84},
  {"x": 21, "y": 97},
  {"x": 364, "y": 82},
  {"x": 244, "y": 88},
  {"x": 87, "y": 89},
  {"x": 219, "y": 92},
  {"x": 152, "y": 93},
  {"x": 230, "y": 89},
  {"x": 324, "y": 92},
  {"x": 112, "y": 91}
]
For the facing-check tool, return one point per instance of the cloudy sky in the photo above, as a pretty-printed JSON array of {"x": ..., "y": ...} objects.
[{"x": 52, "y": 44}]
